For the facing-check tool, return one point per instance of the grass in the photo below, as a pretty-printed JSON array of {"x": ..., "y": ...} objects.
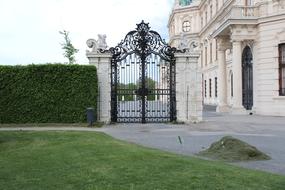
[
  {"x": 95, "y": 125},
  {"x": 232, "y": 149},
  {"x": 81, "y": 160}
]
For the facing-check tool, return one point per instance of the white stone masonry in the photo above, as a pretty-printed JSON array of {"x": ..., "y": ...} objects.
[{"x": 188, "y": 88}]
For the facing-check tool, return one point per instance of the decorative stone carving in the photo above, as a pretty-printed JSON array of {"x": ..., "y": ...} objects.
[
  {"x": 278, "y": 4},
  {"x": 91, "y": 43},
  {"x": 188, "y": 46},
  {"x": 102, "y": 44},
  {"x": 183, "y": 42},
  {"x": 194, "y": 46},
  {"x": 99, "y": 44}
]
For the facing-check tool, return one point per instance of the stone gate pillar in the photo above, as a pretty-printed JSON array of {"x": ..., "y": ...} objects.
[
  {"x": 102, "y": 62},
  {"x": 188, "y": 88}
]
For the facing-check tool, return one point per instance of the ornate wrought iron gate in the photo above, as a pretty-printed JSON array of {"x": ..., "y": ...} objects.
[
  {"x": 143, "y": 78},
  {"x": 247, "y": 79}
]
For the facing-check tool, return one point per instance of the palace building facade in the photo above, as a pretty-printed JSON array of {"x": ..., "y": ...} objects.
[{"x": 242, "y": 46}]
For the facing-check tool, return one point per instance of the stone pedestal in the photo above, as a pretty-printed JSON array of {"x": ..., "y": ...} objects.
[
  {"x": 102, "y": 62},
  {"x": 188, "y": 88}
]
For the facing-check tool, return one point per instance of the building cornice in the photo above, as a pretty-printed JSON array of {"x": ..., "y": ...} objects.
[
  {"x": 270, "y": 18},
  {"x": 223, "y": 11},
  {"x": 257, "y": 21}
]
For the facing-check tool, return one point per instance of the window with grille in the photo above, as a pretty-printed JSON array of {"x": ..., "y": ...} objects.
[{"x": 282, "y": 69}]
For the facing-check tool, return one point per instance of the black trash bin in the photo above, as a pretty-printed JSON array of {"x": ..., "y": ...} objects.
[{"x": 90, "y": 116}]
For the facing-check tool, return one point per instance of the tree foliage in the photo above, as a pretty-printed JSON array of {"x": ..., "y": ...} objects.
[
  {"x": 130, "y": 88},
  {"x": 67, "y": 46}
]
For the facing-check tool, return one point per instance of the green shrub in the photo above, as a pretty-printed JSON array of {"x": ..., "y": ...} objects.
[{"x": 51, "y": 93}]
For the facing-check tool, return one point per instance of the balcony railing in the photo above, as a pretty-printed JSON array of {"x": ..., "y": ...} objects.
[
  {"x": 239, "y": 12},
  {"x": 244, "y": 12}
]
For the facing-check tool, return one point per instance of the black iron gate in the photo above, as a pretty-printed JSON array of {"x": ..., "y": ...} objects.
[
  {"x": 143, "y": 78},
  {"x": 247, "y": 79}
]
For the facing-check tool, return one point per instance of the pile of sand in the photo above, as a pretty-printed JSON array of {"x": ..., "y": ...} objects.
[{"x": 232, "y": 149}]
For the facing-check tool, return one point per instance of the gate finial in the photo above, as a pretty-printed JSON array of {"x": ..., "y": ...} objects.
[{"x": 143, "y": 27}]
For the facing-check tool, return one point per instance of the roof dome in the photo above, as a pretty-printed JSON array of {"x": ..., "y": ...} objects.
[{"x": 185, "y": 2}]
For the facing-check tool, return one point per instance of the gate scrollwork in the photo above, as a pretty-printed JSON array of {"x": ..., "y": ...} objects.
[
  {"x": 143, "y": 41},
  {"x": 143, "y": 78}
]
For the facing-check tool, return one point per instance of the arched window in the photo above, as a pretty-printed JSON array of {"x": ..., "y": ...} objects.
[{"x": 282, "y": 69}]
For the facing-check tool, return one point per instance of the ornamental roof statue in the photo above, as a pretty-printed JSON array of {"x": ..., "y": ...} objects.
[{"x": 185, "y": 2}]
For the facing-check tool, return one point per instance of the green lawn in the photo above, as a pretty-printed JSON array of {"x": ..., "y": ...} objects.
[
  {"x": 81, "y": 160},
  {"x": 58, "y": 125}
]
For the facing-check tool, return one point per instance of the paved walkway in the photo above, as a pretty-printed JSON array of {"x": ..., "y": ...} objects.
[{"x": 266, "y": 133}]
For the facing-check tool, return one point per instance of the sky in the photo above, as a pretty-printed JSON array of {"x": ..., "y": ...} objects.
[{"x": 29, "y": 29}]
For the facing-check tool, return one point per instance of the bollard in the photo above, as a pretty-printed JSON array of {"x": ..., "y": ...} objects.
[{"x": 90, "y": 116}]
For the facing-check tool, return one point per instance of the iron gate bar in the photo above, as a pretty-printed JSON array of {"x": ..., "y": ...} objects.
[{"x": 143, "y": 78}]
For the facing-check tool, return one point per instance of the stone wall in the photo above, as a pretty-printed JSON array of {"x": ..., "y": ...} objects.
[{"x": 270, "y": 35}]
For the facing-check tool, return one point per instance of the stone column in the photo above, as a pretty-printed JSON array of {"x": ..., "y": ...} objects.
[
  {"x": 188, "y": 88},
  {"x": 222, "y": 76},
  {"x": 237, "y": 76},
  {"x": 102, "y": 61}
]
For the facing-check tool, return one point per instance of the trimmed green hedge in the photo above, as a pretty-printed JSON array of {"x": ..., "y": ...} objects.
[{"x": 51, "y": 93}]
